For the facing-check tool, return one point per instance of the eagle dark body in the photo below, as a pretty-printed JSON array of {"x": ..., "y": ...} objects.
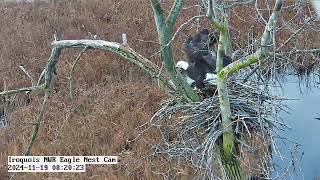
[
  {"x": 202, "y": 56},
  {"x": 193, "y": 73}
]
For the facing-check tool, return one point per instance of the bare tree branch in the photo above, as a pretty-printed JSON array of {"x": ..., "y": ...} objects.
[
  {"x": 296, "y": 32},
  {"x": 28, "y": 75},
  {"x": 158, "y": 14},
  {"x": 50, "y": 70},
  {"x": 124, "y": 51},
  {"x": 70, "y": 78},
  {"x": 38, "y": 122},
  {"x": 21, "y": 90},
  {"x": 174, "y": 13},
  {"x": 165, "y": 33},
  {"x": 260, "y": 53},
  {"x": 214, "y": 22},
  {"x": 241, "y": 3}
]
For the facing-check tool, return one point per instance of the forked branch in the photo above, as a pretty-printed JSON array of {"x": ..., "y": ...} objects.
[
  {"x": 165, "y": 35},
  {"x": 262, "y": 52}
]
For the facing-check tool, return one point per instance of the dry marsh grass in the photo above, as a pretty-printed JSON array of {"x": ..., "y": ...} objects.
[{"x": 113, "y": 97}]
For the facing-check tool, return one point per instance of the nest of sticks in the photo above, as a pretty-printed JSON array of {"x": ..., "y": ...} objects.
[{"x": 191, "y": 133}]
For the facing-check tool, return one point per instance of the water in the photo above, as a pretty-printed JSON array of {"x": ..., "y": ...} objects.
[{"x": 305, "y": 128}]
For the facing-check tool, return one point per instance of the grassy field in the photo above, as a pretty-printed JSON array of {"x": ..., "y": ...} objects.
[{"x": 113, "y": 97}]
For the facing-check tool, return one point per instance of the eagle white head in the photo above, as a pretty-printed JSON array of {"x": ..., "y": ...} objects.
[{"x": 182, "y": 65}]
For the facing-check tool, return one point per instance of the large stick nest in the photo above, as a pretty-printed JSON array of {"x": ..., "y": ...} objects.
[{"x": 191, "y": 133}]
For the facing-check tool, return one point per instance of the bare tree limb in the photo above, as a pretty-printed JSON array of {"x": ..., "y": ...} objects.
[
  {"x": 260, "y": 53},
  {"x": 296, "y": 32},
  {"x": 165, "y": 33},
  {"x": 21, "y": 90},
  {"x": 28, "y": 75},
  {"x": 38, "y": 122},
  {"x": 214, "y": 22},
  {"x": 70, "y": 78},
  {"x": 158, "y": 14},
  {"x": 124, "y": 51},
  {"x": 40, "y": 77},
  {"x": 182, "y": 25},
  {"x": 242, "y": 3},
  {"x": 174, "y": 13},
  {"x": 50, "y": 70}
]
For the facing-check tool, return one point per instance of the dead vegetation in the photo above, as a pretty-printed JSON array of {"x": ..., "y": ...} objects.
[{"x": 113, "y": 97}]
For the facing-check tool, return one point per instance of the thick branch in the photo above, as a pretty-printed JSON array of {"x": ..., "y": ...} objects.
[
  {"x": 214, "y": 22},
  {"x": 124, "y": 51},
  {"x": 21, "y": 90},
  {"x": 51, "y": 66},
  {"x": 229, "y": 161},
  {"x": 38, "y": 123},
  {"x": 239, "y": 64},
  {"x": 158, "y": 14},
  {"x": 266, "y": 37},
  {"x": 167, "y": 57},
  {"x": 174, "y": 13},
  {"x": 263, "y": 51},
  {"x": 165, "y": 34}
]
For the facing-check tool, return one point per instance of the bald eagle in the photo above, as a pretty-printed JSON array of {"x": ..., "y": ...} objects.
[{"x": 201, "y": 64}]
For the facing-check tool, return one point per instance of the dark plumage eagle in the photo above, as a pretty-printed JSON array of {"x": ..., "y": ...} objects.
[{"x": 201, "y": 55}]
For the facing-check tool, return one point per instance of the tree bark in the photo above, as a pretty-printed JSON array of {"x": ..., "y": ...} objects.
[
  {"x": 230, "y": 162},
  {"x": 165, "y": 34}
]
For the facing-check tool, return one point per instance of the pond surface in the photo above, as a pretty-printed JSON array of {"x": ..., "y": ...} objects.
[{"x": 305, "y": 128}]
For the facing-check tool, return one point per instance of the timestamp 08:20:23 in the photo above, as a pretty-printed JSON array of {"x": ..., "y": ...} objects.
[{"x": 47, "y": 168}]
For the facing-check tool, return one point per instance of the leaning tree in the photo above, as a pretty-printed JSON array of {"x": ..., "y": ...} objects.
[{"x": 271, "y": 45}]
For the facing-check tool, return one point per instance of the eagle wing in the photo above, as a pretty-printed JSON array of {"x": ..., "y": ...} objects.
[{"x": 197, "y": 49}]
